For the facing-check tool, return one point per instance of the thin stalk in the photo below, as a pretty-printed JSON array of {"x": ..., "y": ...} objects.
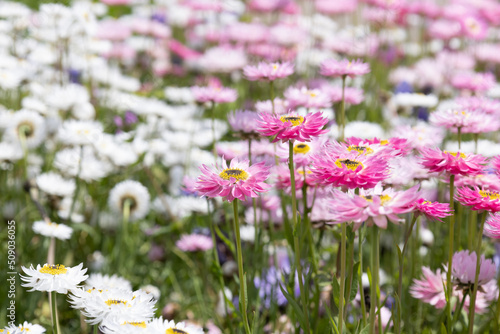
[
  {"x": 342, "y": 275},
  {"x": 296, "y": 237},
  {"x": 458, "y": 224},
  {"x": 122, "y": 249},
  {"x": 350, "y": 275},
  {"x": 360, "y": 281},
  {"x": 342, "y": 110},
  {"x": 271, "y": 92},
  {"x": 22, "y": 138},
  {"x": 51, "y": 254},
  {"x": 407, "y": 237},
  {"x": 472, "y": 308},
  {"x": 375, "y": 268},
  {"x": 243, "y": 293},
  {"x": 459, "y": 310},
  {"x": 95, "y": 329},
  {"x": 472, "y": 229},
  {"x": 450, "y": 252},
  {"x": 459, "y": 135},
  {"x": 54, "y": 316}
]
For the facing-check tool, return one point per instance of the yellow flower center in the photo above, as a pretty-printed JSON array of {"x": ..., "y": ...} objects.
[
  {"x": 141, "y": 324},
  {"x": 360, "y": 149},
  {"x": 301, "y": 172},
  {"x": 426, "y": 202},
  {"x": 301, "y": 148},
  {"x": 383, "y": 198},
  {"x": 53, "y": 269},
  {"x": 110, "y": 302},
  {"x": 295, "y": 120},
  {"x": 236, "y": 173},
  {"x": 384, "y": 142},
  {"x": 350, "y": 164},
  {"x": 462, "y": 155},
  {"x": 312, "y": 93},
  {"x": 492, "y": 195},
  {"x": 175, "y": 331}
]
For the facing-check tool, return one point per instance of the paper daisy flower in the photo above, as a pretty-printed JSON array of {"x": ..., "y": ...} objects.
[
  {"x": 158, "y": 325},
  {"x": 244, "y": 123},
  {"x": 214, "y": 94},
  {"x": 266, "y": 71},
  {"x": 302, "y": 151},
  {"x": 25, "y": 327},
  {"x": 432, "y": 210},
  {"x": 74, "y": 132},
  {"x": 52, "y": 230},
  {"x": 194, "y": 243},
  {"x": 100, "y": 281},
  {"x": 479, "y": 199},
  {"x": 53, "y": 277},
  {"x": 430, "y": 289},
  {"x": 292, "y": 126},
  {"x": 344, "y": 67},
  {"x": 29, "y": 123},
  {"x": 124, "y": 325},
  {"x": 54, "y": 184},
  {"x": 398, "y": 146},
  {"x": 492, "y": 226},
  {"x": 307, "y": 98},
  {"x": 134, "y": 192},
  {"x": 464, "y": 268},
  {"x": 437, "y": 161},
  {"x": 351, "y": 170},
  {"x": 238, "y": 180},
  {"x": 373, "y": 206}
]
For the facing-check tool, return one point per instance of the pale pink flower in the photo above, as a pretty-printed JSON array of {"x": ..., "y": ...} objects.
[
  {"x": 244, "y": 122},
  {"x": 444, "y": 29},
  {"x": 492, "y": 226},
  {"x": 431, "y": 288},
  {"x": 194, "y": 243},
  {"x": 463, "y": 268},
  {"x": 247, "y": 32},
  {"x": 352, "y": 95},
  {"x": 336, "y": 7},
  {"x": 474, "y": 27},
  {"x": 307, "y": 98},
  {"x": 476, "y": 82},
  {"x": 214, "y": 93},
  {"x": 280, "y": 106},
  {"x": 344, "y": 67},
  {"x": 268, "y": 71}
]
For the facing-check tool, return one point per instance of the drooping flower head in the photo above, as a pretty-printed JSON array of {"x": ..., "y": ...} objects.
[
  {"x": 374, "y": 206},
  {"x": 236, "y": 181},
  {"x": 455, "y": 163},
  {"x": 292, "y": 126},
  {"x": 432, "y": 210},
  {"x": 352, "y": 170},
  {"x": 268, "y": 71},
  {"x": 479, "y": 199},
  {"x": 344, "y": 67}
]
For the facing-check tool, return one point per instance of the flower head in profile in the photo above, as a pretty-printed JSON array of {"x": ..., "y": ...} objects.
[
  {"x": 344, "y": 67},
  {"x": 268, "y": 71},
  {"x": 236, "y": 181},
  {"x": 25, "y": 327},
  {"x": 375, "y": 206},
  {"x": 158, "y": 325},
  {"x": 307, "y": 98},
  {"x": 352, "y": 170},
  {"x": 292, "y": 126},
  {"x": 479, "y": 199},
  {"x": 432, "y": 210},
  {"x": 463, "y": 269},
  {"x": 476, "y": 82},
  {"x": 492, "y": 226},
  {"x": 194, "y": 243},
  {"x": 244, "y": 123},
  {"x": 455, "y": 163},
  {"x": 431, "y": 288},
  {"x": 52, "y": 230},
  {"x": 53, "y": 277},
  {"x": 214, "y": 93}
]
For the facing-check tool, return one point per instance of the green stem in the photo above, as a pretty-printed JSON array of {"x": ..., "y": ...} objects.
[
  {"x": 342, "y": 276},
  {"x": 349, "y": 274},
  {"x": 77, "y": 181},
  {"x": 22, "y": 138},
  {"x": 122, "y": 249},
  {"x": 472, "y": 307},
  {"x": 401, "y": 265},
  {"x": 95, "y": 329},
  {"x": 449, "y": 285},
  {"x": 271, "y": 92},
  {"x": 459, "y": 310},
  {"x": 361, "y": 291},
  {"x": 375, "y": 269},
  {"x": 54, "y": 316},
  {"x": 472, "y": 229},
  {"x": 342, "y": 110},
  {"x": 296, "y": 237},
  {"x": 243, "y": 293},
  {"x": 458, "y": 224},
  {"x": 459, "y": 134}
]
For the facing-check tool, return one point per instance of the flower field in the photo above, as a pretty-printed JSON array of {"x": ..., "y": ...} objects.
[{"x": 250, "y": 166}]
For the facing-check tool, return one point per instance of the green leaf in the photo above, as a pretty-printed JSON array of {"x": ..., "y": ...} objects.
[
  {"x": 365, "y": 330},
  {"x": 336, "y": 291},
  {"x": 443, "y": 329},
  {"x": 296, "y": 307},
  {"x": 355, "y": 281},
  {"x": 332, "y": 321},
  {"x": 228, "y": 243}
]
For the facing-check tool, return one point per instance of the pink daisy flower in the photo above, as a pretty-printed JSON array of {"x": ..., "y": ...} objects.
[
  {"x": 307, "y": 98},
  {"x": 336, "y": 7},
  {"x": 484, "y": 104},
  {"x": 302, "y": 151},
  {"x": 194, "y": 243},
  {"x": 399, "y": 146},
  {"x": 452, "y": 118},
  {"x": 268, "y": 71},
  {"x": 492, "y": 226},
  {"x": 352, "y": 95},
  {"x": 495, "y": 162},
  {"x": 485, "y": 296},
  {"x": 292, "y": 126},
  {"x": 344, "y": 67},
  {"x": 432, "y": 211},
  {"x": 351, "y": 170},
  {"x": 244, "y": 122},
  {"x": 430, "y": 289},
  {"x": 488, "y": 200},
  {"x": 473, "y": 27},
  {"x": 214, "y": 93},
  {"x": 484, "y": 181},
  {"x": 283, "y": 181},
  {"x": 477, "y": 82},
  {"x": 437, "y": 161},
  {"x": 280, "y": 106},
  {"x": 236, "y": 181},
  {"x": 373, "y": 206},
  {"x": 464, "y": 268}
]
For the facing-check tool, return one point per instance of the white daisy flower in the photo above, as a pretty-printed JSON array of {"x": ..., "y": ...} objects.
[
  {"x": 53, "y": 230},
  {"x": 52, "y": 277},
  {"x": 75, "y": 132},
  {"x": 10, "y": 151},
  {"x": 100, "y": 305},
  {"x": 54, "y": 184},
  {"x": 158, "y": 325},
  {"x": 26, "y": 327},
  {"x": 151, "y": 290},
  {"x": 124, "y": 325},
  {"x": 31, "y": 124},
  {"x": 133, "y": 191},
  {"x": 92, "y": 169},
  {"x": 100, "y": 281}
]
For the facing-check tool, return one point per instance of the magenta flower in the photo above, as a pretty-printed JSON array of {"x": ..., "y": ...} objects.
[
  {"x": 495, "y": 162},
  {"x": 351, "y": 170},
  {"x": 302, "y": 151},
  {"x": 214, "y": 93},
  {"x": 239, "y": 180},
  {"x": 373, "y": 206},
  {"x": 432, "y": 211},
  {"x": 292, "y": 126},
  {"x": 244, "y": 122},
  {"x": 268, "y": 71},
  {"x": 488, "y": 200},
  {"x": 430, "y": 289},
  {"x": 492, "y": 226},
  {"x": 485, "y": 181},
  {"x": 455, "y": 163},
  {"x": 398, "y": 146},
  {"x": 344, "y": 67},
  {"x": 194, "y": 243},
  {"x": 464, "y": 268}
]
